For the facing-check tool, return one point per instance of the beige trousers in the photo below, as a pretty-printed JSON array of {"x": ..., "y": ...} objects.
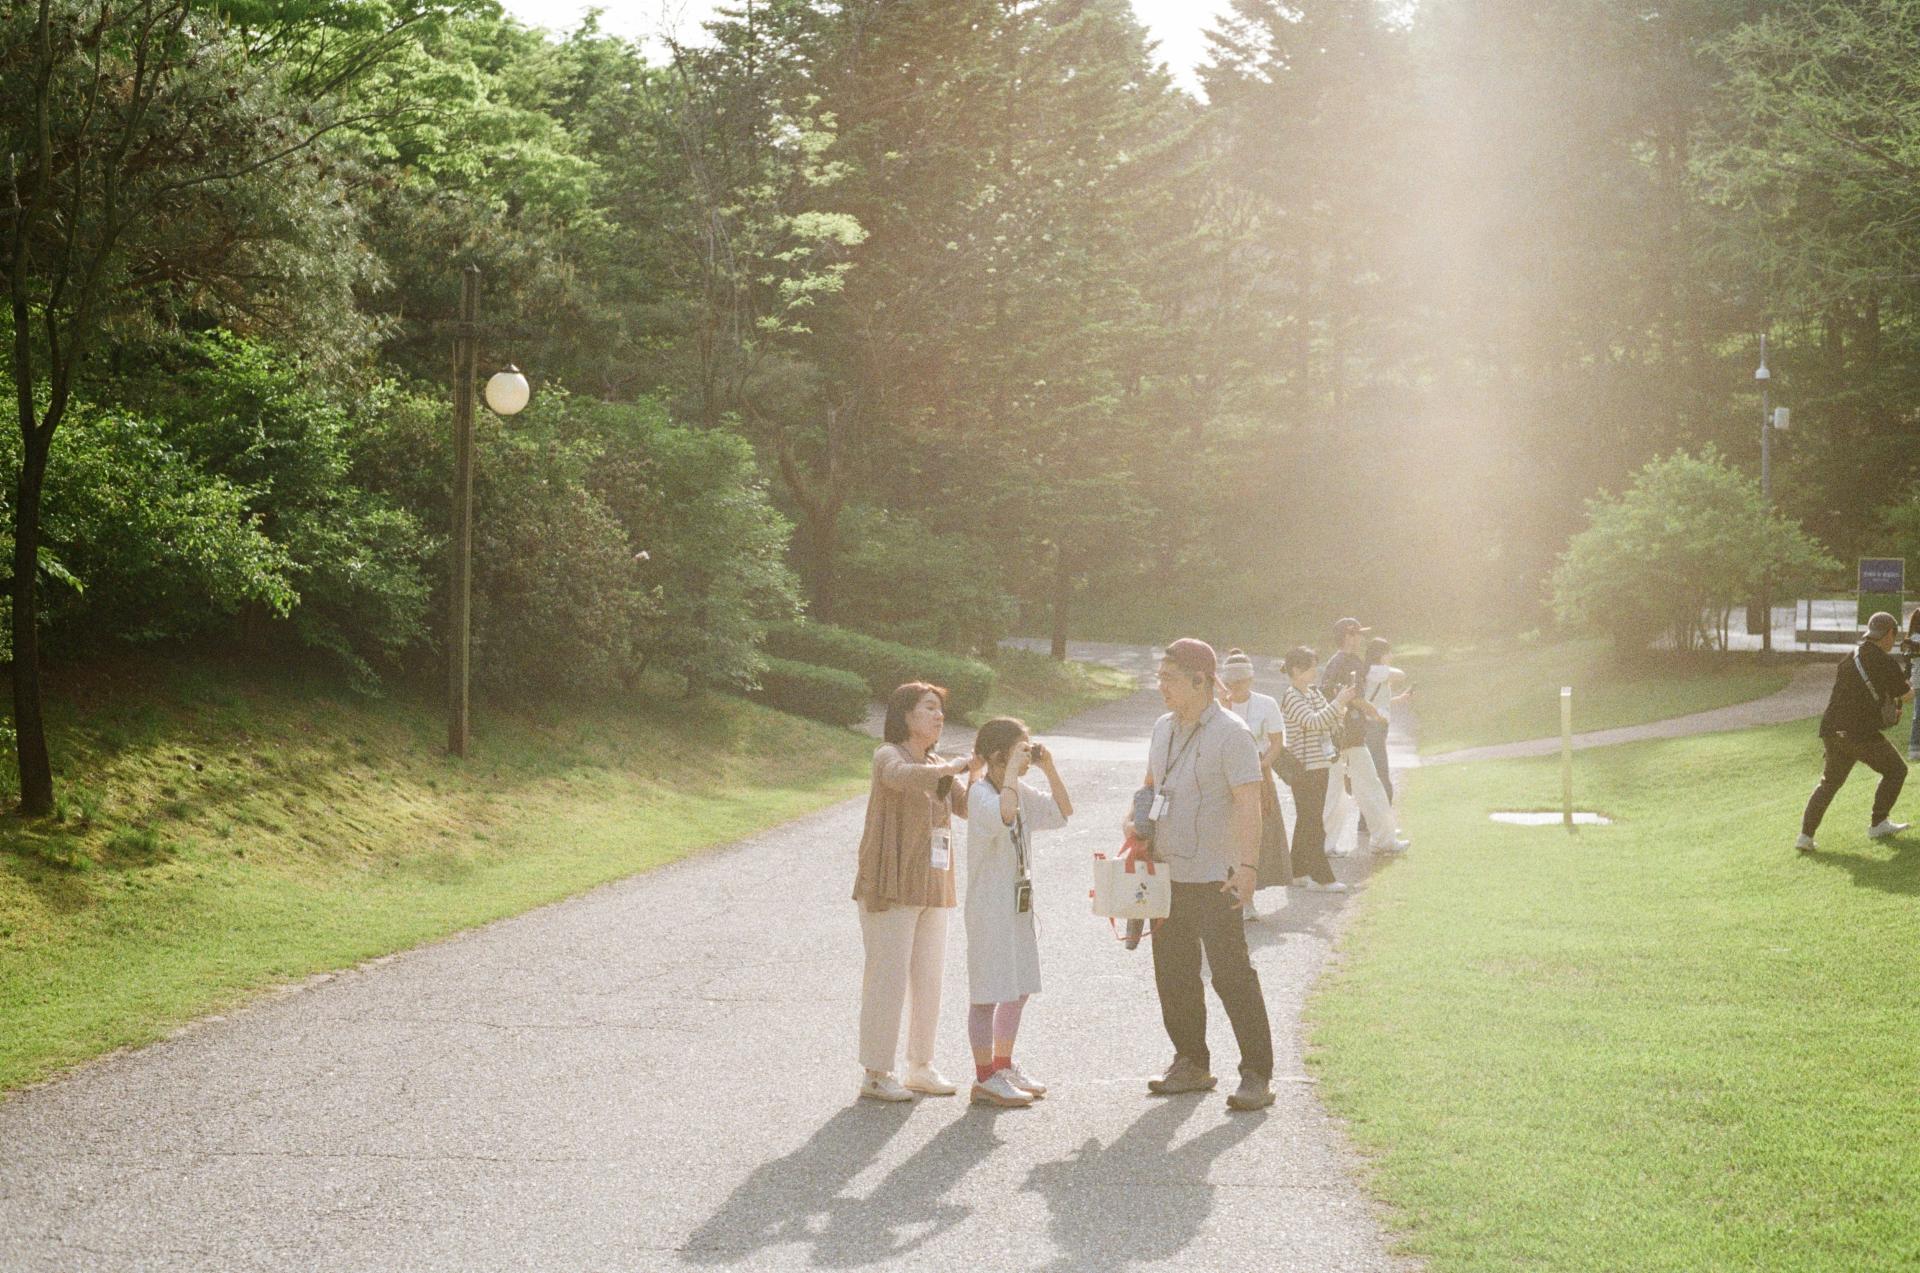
[
  {"x": 1356, "y": 763},
  {"x": 906, "y": 948}
]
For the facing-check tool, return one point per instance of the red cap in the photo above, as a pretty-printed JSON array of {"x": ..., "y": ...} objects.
[{"x": 1193, "y": 655}]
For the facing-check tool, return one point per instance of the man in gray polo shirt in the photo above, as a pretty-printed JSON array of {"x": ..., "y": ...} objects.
[{"x": 1205, "y": 772}]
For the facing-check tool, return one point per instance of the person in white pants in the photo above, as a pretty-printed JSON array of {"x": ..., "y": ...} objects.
[
  {"x": 904, "y": 889},
  {"x": 1353, "y": 776}
]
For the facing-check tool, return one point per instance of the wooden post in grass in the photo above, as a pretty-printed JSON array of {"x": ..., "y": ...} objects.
[{"x": 1566, "y": 755}]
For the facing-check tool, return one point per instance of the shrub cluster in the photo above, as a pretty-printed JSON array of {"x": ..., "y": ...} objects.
[
  {"x": 899, "y": 577},
  {"x": 209, "y": 489},
  {"x": 883, "y": 664},
  {"x": 821, "y": 693}
]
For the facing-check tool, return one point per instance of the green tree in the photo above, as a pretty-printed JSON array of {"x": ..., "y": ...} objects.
[
  {"x": 155, "y": 166},
  {"x": 1805, "y": 177},
  {"x": 1671, "y": 556}
]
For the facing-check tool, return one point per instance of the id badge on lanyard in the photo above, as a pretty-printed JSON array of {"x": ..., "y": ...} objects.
[{"x": 942, "y": 849}]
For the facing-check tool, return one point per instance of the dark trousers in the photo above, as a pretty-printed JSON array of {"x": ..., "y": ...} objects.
[
  {"x": 1204, "y": 916},
  {"x": 1844, "y": 751},
  {"x": 1310, "y": 828}
]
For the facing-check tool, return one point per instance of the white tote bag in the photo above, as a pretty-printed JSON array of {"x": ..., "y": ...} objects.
[{"x": 1126, "y": 889}]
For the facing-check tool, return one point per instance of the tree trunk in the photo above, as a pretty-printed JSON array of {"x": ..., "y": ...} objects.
[
  {"x": 823, "y": 559},
  {"x": 30, "y": 731},
  {"x": 1062, "y": 594}
]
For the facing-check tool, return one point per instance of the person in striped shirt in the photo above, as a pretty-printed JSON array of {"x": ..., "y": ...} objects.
[{"x": 1311, "y": 720}]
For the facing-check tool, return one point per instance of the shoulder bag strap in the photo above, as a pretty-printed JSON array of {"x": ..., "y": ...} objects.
[{"x": 1861, "y": 667}]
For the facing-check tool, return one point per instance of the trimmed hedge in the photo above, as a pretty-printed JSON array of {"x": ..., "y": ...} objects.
[
  {"x": 883, "y": 665},
  {"x": 819, "y": 693}
]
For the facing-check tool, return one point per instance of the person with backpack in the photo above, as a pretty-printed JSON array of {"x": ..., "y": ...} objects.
[{"x": 1869, "y": 688}]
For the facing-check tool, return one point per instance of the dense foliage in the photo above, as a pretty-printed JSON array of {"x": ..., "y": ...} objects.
[
  {"x": 932, "y": 320},
  {"x": 1673, "y": 554},
  {"x": 884, "y": 665},
  {"x": 821, "y": 693}
]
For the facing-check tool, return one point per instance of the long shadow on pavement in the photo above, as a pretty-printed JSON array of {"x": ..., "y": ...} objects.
[
  {"x": 1309, "y": 914},
  {"x": 802, "y": 1197},
  {"x": 781, "y": 1200},
  {"x": 1138, "y": 1200}
]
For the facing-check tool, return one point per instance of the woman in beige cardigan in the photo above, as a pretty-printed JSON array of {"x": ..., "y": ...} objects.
[{"x": 905, "y": 892}]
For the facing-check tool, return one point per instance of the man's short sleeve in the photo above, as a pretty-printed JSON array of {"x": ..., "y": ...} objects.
[{"x": 1239, "y": 758}]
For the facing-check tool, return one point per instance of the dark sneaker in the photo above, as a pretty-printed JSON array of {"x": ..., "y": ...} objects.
[
  {"x": 1183, "y": 1075},
  {"x": 1254, "y": 1093}
]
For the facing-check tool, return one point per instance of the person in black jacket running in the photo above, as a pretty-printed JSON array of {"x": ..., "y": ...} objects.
[{"x": 1852, "y": 731}]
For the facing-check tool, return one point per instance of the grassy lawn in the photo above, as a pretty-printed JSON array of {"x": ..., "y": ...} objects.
[
  {"x": 222, "y": 830},
  {"x": 1670, "y": 1044},
  {"x": 1478, "y": 697},
  {"x": 1043, "y": 693}
]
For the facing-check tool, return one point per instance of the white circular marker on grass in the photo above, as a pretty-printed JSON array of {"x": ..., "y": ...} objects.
[{"x": 1581, "y": 818}]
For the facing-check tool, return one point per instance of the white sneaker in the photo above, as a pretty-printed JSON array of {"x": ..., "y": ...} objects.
[
  {"x": 1018, "y": 1077},
  {"x": 1393, "y": 846},
  {"x": 1805, "y": 843},
  {"x": 883, "y": 1087},
  {"x": 1316, "y": 886},
  {"x": 1885, "y": 827},
  {"x": 928, "y": 1081},
  {"x": 999, "y": 1090},
  {"x": 1334, "y": 852}
]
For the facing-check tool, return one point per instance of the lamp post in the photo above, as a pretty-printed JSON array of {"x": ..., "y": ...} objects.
[
  {"x": 1769, "y": 421},
  {"x": 507, "y": 393}
]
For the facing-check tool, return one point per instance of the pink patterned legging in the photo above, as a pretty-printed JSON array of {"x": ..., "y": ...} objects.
[{"x": 991, "y": 1027}]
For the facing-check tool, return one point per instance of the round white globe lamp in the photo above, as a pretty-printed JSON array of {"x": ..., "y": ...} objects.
[{"x": 508, "y": 391}]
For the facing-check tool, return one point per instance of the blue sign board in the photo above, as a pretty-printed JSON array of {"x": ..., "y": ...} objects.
[{"x": 1883, "y": 574}]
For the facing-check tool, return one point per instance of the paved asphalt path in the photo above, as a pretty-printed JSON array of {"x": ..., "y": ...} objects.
[
  {"x": 659, "y": 1074},
  {"x": 1805, "y": 695}
]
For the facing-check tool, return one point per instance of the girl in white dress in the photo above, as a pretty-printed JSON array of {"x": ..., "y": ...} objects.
[{"x": 1003, "y": 950}]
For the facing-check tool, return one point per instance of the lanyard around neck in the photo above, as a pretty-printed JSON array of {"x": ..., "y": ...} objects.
[{"x": 1185, "y": 747}]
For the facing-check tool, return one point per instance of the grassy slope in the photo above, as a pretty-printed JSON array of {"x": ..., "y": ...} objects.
[
  {"x": 1671, "y": 1044},
  {"x": 1044, "y": 693},
  {"x": 222, "y": 830},
  {"x": 1473, "y": 698}
]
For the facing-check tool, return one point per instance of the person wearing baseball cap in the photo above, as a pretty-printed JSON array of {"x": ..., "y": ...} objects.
[
  {"x": 1205, "y": 771},
  {"x": 1852, "y": 731}
]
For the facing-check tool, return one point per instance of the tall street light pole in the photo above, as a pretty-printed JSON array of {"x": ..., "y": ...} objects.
[
  {"x": 507, "y": 393},
  {"x": 460, "y": 620},
  {"x": 1765, "y": 379}
]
